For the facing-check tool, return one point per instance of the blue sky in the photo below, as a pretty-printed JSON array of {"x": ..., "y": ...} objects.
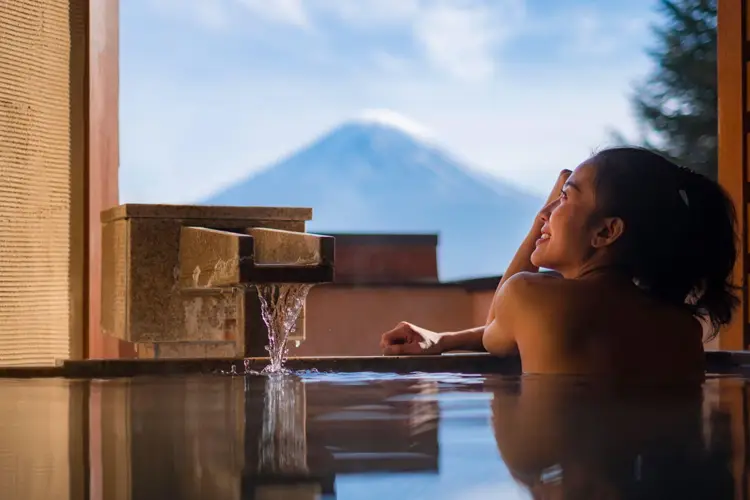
[{"x": 213, "y": 89}]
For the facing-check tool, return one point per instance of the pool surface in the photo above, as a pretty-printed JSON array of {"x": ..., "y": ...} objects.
[{"x": 371, "y": 436}]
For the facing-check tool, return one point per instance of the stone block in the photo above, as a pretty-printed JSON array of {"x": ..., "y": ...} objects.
[{"x": 143, "y": 300}]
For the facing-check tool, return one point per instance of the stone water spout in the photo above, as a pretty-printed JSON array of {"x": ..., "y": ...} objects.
[{"x": 176, "y": 279}]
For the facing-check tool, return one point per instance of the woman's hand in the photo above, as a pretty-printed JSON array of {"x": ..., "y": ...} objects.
[
  {"x": 559, "y": 184},
  {"x": 562, "y": 178},
  {"x": 407, "y": 338}
]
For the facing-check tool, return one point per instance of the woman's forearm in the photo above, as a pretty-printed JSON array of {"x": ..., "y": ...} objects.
[
  {"x": 464, "y": 340},
  {"x": 522, "y": 259},
  {"x": 521, "y": 263}
]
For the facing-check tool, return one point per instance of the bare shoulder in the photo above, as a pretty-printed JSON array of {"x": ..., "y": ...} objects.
[
  {"x": 524, "y": 286},
  {"x": 533, "y": 278},
  {"x": 529, "y": 293},
  {"x": 520, "y": 300},
  {"x": 541, "y": 293}
]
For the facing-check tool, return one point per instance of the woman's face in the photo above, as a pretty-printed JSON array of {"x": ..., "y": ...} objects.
[{"x": 568, "y": 233}]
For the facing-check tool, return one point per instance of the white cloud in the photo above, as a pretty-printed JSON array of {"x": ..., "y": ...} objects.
[
  {"x": 589, "y": 36},
  {"x": 224, "y": 13},
  {"x": 595, "y": 33},
  {"x": 209, "y": 13},
  {"x": 460, "y": 38},
  {"x": 282, "y": 11},
  {"x": 370, "y": 12},
  {"x": 459, "y": 41},
  {"x": 391, "y": 64}
]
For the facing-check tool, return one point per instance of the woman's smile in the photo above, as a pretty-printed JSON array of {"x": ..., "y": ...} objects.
[{"x": 545, "y": 236}]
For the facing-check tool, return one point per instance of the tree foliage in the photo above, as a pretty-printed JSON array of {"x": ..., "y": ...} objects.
[{"x": 676, "y": 104}]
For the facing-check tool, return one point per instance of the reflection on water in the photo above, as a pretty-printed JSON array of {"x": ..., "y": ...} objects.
[
  {"x": 563, "y": 439},
  {"x": 282, "y": 446},
  {"x": 371, "y": 436}
]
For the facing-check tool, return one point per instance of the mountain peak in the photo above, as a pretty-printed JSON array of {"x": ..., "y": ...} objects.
[
  {"x": 394, "y": 120},
  {"x": 376, "y": 173}
]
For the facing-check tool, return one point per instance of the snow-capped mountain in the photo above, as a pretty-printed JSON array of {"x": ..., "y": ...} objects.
[{"x": 368, "y": 175}]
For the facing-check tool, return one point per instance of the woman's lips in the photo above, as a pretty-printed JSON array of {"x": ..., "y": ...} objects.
[{"x": 543, "y": 239}]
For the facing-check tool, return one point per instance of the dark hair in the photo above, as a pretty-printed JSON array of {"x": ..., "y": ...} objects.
[{"x": 679, "y": 240}]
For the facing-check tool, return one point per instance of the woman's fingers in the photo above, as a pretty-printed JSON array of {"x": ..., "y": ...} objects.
[
  {"x": 396, "y": 336},
  {"x": 394, "y": 350},
  {"x": 402, "y": 349},
  {"x": 400, "y": 340}
]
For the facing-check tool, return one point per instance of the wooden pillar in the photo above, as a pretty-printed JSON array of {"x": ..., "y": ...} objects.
[
  {"x": 734, "y": 139},
  {"x": 103, "y": 160},
  {"x": 102, "y": 192}
]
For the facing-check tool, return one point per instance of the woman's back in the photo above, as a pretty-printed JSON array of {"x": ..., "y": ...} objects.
[{"x": 603, "y": 326}]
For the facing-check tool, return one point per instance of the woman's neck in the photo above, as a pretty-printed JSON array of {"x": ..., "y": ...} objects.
[{"x": 599, "y": 272}]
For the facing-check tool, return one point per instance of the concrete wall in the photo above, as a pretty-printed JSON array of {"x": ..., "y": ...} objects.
[
  {"x": 480, "y": 305},
  {"x": 372, "y": 263},
  {"x": 348, "y": 321},
  {"x": 386, "y": 258}
]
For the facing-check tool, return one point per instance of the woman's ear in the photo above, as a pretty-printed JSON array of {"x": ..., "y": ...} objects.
[{"x": 609, "y": 232}]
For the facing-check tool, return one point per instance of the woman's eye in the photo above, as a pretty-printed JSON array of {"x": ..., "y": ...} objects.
[{"x": 563, "y": 195}]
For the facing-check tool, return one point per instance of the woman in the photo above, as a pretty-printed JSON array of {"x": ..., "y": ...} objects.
[{"x": 645, "y": 251}]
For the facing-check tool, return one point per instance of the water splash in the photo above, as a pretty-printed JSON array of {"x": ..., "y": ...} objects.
[
  {"x": 280, "y": 306},
  {"x": 246, "y": 370}
]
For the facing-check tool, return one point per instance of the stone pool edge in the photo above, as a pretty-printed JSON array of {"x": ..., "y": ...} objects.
[{"x": 716, "y": 362}]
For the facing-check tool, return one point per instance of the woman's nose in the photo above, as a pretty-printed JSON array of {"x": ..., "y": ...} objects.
[{"x": 546, "y": 211}]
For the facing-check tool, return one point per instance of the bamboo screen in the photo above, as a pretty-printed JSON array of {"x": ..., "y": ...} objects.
[{"x": 42, "y": 164}]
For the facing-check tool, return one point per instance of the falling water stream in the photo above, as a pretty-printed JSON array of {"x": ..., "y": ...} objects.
[{"x": 280, "y": 306}]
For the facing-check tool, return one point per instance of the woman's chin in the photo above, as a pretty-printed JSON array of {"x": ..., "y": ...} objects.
[{"x": 537, "y": 257}]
